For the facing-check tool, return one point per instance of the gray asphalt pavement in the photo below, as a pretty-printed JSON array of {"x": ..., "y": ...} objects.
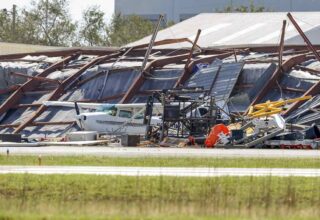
[
  {"x": 159, "y": 152},
  {"x": 159, "y": 171}
]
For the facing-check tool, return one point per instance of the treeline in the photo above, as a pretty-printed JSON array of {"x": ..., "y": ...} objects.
[{"x": 48, "y": 22}]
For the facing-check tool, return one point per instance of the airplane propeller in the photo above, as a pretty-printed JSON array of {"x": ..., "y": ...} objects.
[{"x": 76, "y": 107}]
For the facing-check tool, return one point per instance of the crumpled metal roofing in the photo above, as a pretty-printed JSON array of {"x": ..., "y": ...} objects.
[
  {"x": 23, "y": 66},
  {"x": 219, "y": 78},
  {"x": 228, "y": 87},
  {"x": 307, "y": 113}
]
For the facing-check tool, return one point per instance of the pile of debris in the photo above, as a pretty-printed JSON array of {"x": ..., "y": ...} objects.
[{"x": 162, "y": 93}]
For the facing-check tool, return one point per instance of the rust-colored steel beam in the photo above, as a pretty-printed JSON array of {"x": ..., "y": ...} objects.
[
  {"x": 33, "y": 105},
  {"x": 38, "y": 78},
  {"x": 287, "y": 65},
  {"x": 283, "y": 32},
  {"x": 30, "y": 85},
  {"x": 186, "y": 74},
  {"x": 305, "y": 38},
  {"x": 57, "y": 93}
]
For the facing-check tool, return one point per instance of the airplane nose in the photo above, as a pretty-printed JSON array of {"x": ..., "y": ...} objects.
[{"x": 81, "y": 117}]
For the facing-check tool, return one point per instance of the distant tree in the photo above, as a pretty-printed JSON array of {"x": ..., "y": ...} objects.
[
  {"x": 47, "y": 22},
  {"x": 125, "y": 29},
  {"x": 92, "y": 30},
  {"x": 5, "y": 26},
  {"x": 244, "y": 9},
  {"x": 10, "y": 24}
]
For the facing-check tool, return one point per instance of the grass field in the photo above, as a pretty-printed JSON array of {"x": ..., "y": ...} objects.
[
  {"x": 162, "y": 162},
  {"x": 113, "y": 197}
]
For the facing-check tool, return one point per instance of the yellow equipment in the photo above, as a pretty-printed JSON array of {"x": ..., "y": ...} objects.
[{"x": 270, "y": 108}]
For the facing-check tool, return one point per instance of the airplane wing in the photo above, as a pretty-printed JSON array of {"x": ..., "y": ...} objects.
[{"x": 71, "y": 104}]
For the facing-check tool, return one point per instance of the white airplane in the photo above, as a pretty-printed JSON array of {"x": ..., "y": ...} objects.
[{"x": 111, "y": 118}]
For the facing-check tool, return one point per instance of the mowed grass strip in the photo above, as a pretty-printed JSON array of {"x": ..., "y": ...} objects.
[
  {"x": 115, "y": 197},
  {"x": 161, "y": 162}
]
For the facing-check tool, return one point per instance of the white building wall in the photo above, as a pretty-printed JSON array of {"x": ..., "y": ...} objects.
[{"x": 177, "y": 10}]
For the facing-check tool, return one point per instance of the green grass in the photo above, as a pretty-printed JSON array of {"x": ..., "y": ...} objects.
[
  {"x": 162, "y": 162},
  {"x": 113, "y": 197}
]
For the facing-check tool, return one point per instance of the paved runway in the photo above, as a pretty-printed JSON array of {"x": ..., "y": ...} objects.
[
  {"x": 159, "y": 171},
  {"x": 159, "y": 152}
]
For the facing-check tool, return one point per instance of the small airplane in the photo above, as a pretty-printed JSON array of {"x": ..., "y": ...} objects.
[{"x": 111, "y": 118}]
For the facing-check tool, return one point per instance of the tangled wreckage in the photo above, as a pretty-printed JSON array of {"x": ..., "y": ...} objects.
[{"x": 239, "y": 96}]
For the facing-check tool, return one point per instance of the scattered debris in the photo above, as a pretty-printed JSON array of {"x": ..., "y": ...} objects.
[{"x": 239, "y": 97}]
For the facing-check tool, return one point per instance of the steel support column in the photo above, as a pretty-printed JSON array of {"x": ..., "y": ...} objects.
[
  {"x": 305, "y": 38},
  {"x": 186, "y": 74}
]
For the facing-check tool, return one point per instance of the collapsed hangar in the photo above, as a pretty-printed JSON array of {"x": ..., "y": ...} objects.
[{"x": 235, "y": 58}]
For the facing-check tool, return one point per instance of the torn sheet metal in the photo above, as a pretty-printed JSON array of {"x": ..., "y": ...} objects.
[
  {"x": 224, "y": 83},
  {"x": 307, "y": 113},
  {"x": 219, "y": 79}
]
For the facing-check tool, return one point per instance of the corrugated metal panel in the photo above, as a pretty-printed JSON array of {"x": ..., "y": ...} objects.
[
  {"x": 250, "y": 75},
  {"x": 225, "y": 82},
  {"x": 221, "y": 82},
  {"x": 203, "y": 78},
  {"x": 161, "y": 79},
  {"x": 117, "y": 83},
  {"x": 262, "y": 81}
]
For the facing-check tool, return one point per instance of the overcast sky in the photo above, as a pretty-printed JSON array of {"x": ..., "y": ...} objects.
[{"x": 76, "y": 6}]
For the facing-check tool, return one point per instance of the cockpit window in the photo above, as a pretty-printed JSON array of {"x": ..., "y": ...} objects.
[
  {"x": 112, "y": 112},
  {"x": 108, "y": 109},
  {"x": 125, "y": 114},
  {"x": 139, "y": 116}
]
